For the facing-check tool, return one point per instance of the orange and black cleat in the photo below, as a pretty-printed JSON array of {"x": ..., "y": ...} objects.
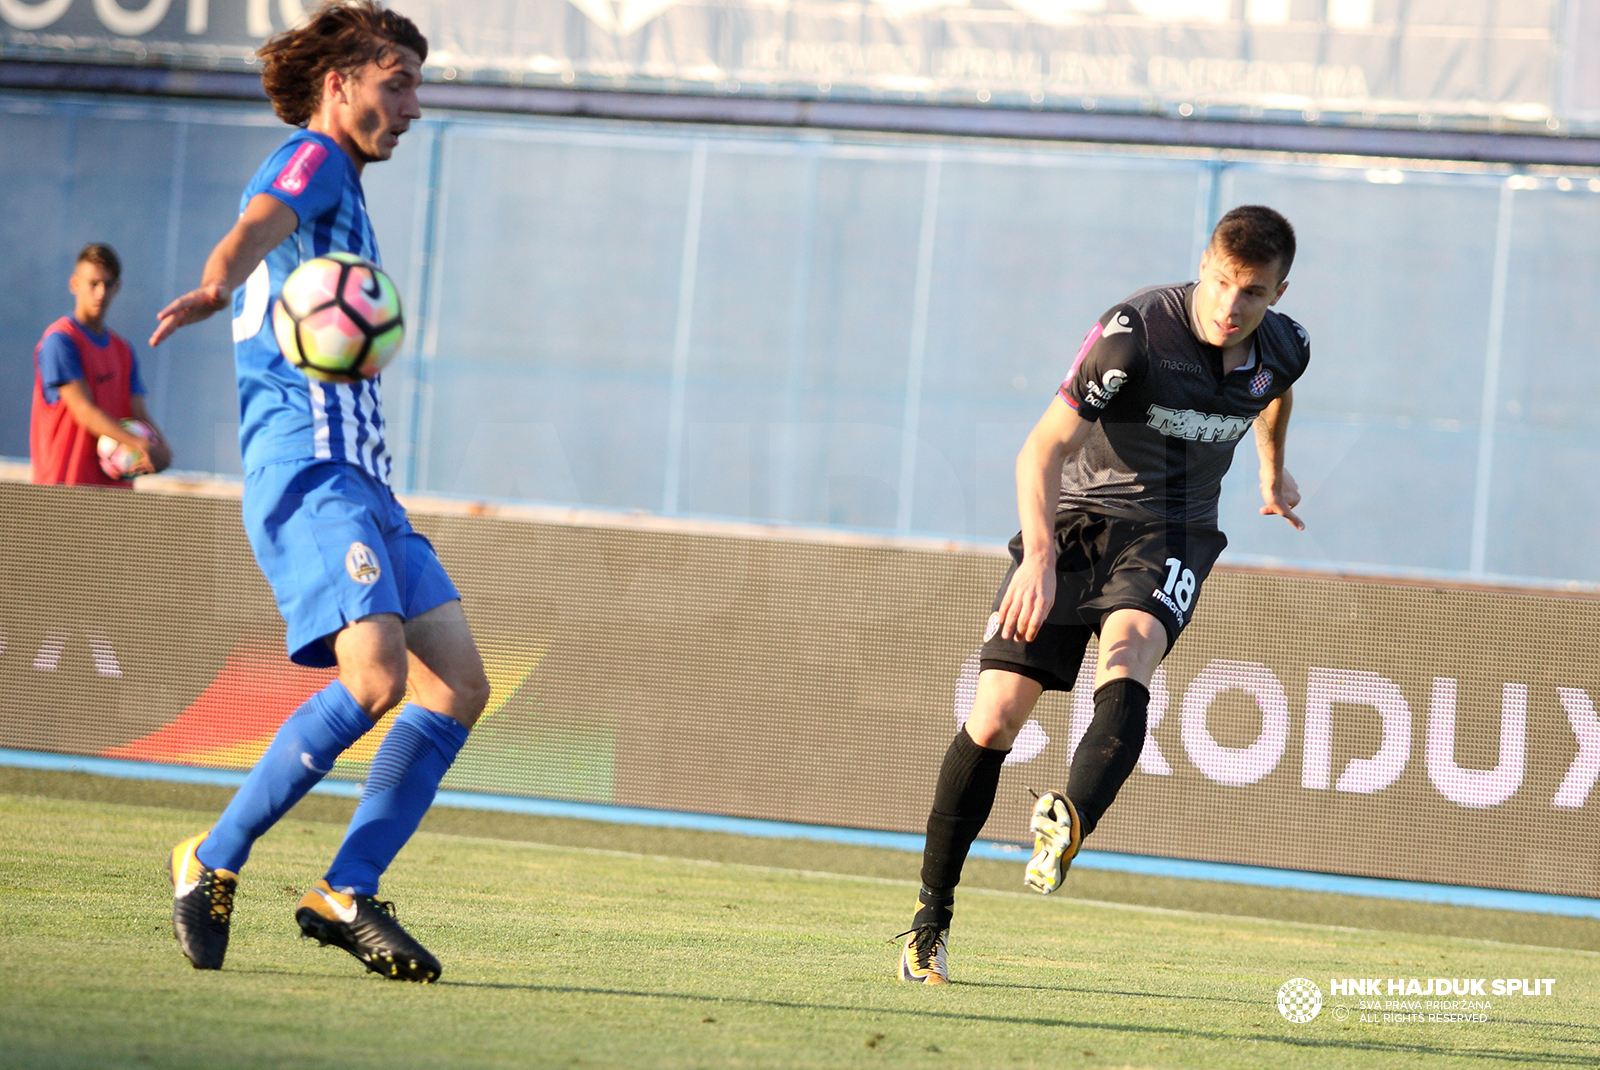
[
  {"x": 202, "y": 905},
  {"x": 366, "y": 927}
]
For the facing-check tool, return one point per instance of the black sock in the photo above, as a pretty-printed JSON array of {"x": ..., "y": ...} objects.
[
  {"x": 933, "y": 909},
  {"x": 961, "y": 803},
  {"x": 1110, "y": 748}
]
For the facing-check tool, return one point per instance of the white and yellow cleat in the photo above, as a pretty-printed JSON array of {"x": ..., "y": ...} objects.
[
  {"x": 1057, "y": 835},
  {"x": 923, "y": 958}
]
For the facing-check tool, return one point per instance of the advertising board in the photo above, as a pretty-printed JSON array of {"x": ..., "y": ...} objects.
[{"x": 1333, "y": 724}]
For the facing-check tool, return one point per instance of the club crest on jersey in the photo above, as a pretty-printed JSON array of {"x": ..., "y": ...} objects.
[
  {"x": 362, "y": 564},
  {"x": 1261, "y": 382}
]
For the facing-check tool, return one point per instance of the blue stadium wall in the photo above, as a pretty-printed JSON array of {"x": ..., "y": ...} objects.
[{"x": 856, "y": 329}]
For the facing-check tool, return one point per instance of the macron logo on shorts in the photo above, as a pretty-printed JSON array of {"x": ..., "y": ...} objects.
[
  {"x": 1165, "y": 599},
  {"x": 297, "y": 173}
]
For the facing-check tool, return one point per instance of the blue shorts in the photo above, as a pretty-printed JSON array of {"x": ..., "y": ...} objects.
[{"x": 336, "y": 547}]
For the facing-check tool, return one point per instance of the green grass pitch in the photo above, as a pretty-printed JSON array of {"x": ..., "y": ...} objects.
[{"x": 571, "y": 944}]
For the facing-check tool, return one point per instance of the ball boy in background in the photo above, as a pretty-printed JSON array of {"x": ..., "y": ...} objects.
[{"x": 85, "y": 382}]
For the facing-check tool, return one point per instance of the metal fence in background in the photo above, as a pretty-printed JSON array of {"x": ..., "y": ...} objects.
[{"x": 859, "y": 330}]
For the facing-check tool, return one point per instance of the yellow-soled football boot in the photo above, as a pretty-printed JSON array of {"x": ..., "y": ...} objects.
[
  {"x": 923, "y": 958},
  {"x": 202, "y": 905},
  {"x": 1057, "y": 835},
  {"x": 366, "y": 927}
]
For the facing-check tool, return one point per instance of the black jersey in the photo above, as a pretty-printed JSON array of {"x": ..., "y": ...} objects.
[{"x": 1167, "y": 418}]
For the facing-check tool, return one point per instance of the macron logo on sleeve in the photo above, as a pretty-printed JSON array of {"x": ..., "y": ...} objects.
[
  {"x": 297, "y": 173},
  {"x": 1119, "y": 324}
]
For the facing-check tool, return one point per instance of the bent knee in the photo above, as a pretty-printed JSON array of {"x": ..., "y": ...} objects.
[
  {"x": 464, "y": 699},
  {"x": 472, "y": 694},
  {"x": 377, "y": 692},
  {"x": 992, "y": 734},
  {"x": 1000, "y": 710}
]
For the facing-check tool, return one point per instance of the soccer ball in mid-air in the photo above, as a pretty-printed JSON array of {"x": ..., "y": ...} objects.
[
  {"x": 338, "y": 318},
  {"x": 118, "y": 460}
]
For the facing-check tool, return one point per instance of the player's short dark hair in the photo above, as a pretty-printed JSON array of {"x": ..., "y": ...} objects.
[
  {"x": 341, "y": 35},
  {"x": 101, "y": 256},
  {"x": 1256, "y": 235}
]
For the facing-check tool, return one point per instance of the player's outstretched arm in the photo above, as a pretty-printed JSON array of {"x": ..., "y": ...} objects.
[
  {"x": 1279, "y": 492},
  {"x": 1032, "y": 589},
  {"x": 266, "y": 221}
]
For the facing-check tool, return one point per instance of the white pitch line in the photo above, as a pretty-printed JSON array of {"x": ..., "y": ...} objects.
[{"x": 858, "y": 878}]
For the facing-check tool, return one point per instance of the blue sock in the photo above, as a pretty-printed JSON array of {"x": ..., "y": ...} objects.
[
  {"x": 404, "y": 778},
  {"x": 301, "y": 754}
]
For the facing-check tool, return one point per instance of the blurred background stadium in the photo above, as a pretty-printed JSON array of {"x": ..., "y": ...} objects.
[
  {"x": 742, "y": 274},
  {"x": 819, "y": 307}
]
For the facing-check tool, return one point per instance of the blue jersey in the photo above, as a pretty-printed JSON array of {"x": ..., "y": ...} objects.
[{"x": 283, "y": 414}]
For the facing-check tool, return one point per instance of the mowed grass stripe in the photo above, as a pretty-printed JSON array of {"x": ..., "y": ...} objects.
[
  {"x": 592, "y": 956},
  {"x": 1356, "y": 912},
  {"x": 818, "y": 874}
]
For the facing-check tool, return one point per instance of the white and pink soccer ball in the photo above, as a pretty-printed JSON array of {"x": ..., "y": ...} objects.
[
  {"x": 119, "y": 461},
  {"x": 338, "y": 318}
]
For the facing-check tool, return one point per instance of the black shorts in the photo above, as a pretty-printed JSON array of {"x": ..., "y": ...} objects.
[{"x": 1104, "y": 563}]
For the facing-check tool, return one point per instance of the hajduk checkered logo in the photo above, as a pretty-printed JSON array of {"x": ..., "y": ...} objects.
[
  {"x": 1261, "y": 382},
  {"x": 1299, "y": 1000}
]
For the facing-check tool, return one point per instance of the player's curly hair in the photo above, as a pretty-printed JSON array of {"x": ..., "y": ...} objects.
[
  {"x": 341, "y": 35},
  {"x": 1257, "y": 235}
]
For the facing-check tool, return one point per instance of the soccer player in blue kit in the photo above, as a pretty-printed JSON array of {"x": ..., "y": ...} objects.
[{"x": 357, "y": 587}]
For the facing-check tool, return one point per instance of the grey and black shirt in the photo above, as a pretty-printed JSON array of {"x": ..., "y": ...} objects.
[{"x": 1167, "y": 418}]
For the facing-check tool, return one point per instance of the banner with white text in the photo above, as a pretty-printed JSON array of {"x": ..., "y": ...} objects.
[
  {"x": 1357, "y": 726},
  {"x": 1531, "y": 62}
]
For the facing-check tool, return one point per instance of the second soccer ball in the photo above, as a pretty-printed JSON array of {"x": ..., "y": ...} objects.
[
  {"x": 338, "y": 318},
  {"x": 117, "y": 460}
]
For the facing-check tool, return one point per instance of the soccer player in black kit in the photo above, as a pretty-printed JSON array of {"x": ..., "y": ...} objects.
[{"x": 1117, "y": 488}]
